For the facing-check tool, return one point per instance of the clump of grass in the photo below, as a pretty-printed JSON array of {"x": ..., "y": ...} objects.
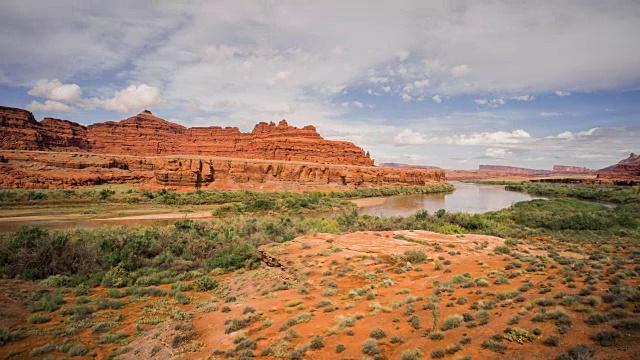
[
  {"x": 38, "y": 319},
  {"x": 452, "y": 322}
]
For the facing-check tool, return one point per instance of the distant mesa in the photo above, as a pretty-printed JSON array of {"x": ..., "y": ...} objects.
[
  {"x": 512, "y": 170},
  {"x": 565, "y": 169},
  {"x": 408, "y": 166}
]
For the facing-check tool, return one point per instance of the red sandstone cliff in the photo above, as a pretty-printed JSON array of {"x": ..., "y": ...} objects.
[
  {"x": 408, "y": 166},
  {"x": 148, "y": 135},
  {"x": 627, "y": 169},
  {"x": 564, "y": 169},
  {"x": 511, "y": 170},
  {"x": 57, "y": 170}
]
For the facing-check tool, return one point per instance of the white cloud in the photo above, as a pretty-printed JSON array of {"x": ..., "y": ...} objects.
[
  {"x": 562, "y": 93},
  {"x": 421, "y": 84},
  {"x": 358, "y": 104},
  {"x": 497, "y": 153},
  {"x": 409, "y": 137},
  {"x": 481, "y": 101},
  {"x": 493, "y": 103},
  {"x": 3, "y": 78},
  {"x": 485, "y": 138},
  {"x": 436, "y": 99},
  {"x": 550, "y": 114},
  {"x": 523, "y": 98},
  {"x": 133, "y": 98},
  {"x": 50, "y": 106},
  {"x": 56, "y": 90},
  {"x": 407, "y": 98},
  {"x": 566, "y": 135},
  {"x": 460, "y": 70}
]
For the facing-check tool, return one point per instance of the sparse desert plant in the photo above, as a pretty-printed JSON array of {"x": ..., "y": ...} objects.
[
  {"x": 370, "y": 347},
  {"x": 437, "y": 353},
  {"x": 414, "y": 354},
  {"x": 606, "y": 338},
  {"x": 452, "y": 322},
  {"x": 378, "y": 333}
]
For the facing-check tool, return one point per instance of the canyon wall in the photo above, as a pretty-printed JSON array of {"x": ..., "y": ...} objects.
[
  {"x": 148, "y": 135},
  {"x": 564, "y": 169},
  {"x": 626, "y": 169},
  {"x": 59, "y": 170},
  {"x": 511, "y": 170}
]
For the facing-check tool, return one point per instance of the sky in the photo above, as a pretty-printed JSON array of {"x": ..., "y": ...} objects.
[{"x": 449, "y": 83}]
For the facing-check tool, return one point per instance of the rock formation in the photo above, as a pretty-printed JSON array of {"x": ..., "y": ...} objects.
[
  {"x": 408, "y": 166},
  {"x": 512, "y": 170},
  {"x": 627, "y": 169},
  {"x": 564, "y": 169},
  {"x": 43, "y": 170},
  {"x": 148, "y": 135}
]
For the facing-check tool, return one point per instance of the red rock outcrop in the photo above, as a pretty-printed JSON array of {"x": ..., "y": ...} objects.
[
  {"x": 627, "y": 169},
  {"x": 43, "y": 170},
  {"x": 511, "y": 170},
  {"x": 408, "y": 166},
  {"x": 565, "y": 169},
  {"x": 148, "y": 135}
]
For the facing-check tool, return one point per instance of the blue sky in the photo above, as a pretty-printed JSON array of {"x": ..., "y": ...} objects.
[{"x": 447, "y": 83}]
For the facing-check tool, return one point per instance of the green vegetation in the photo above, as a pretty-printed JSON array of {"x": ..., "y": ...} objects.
[
  {"x": 253, "y": 200},
  {"x": 608, "y": 193}
]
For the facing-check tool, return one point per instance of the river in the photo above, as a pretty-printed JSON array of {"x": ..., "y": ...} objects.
[{"x": 468, "y": 197}]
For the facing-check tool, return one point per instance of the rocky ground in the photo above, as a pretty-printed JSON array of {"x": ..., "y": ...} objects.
[{"x": 387, "y": 294}]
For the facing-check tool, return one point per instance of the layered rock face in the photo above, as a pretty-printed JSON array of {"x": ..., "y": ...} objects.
[
  {"x": 626, "y": 169},
  {"x": 564, "y": 169},
  {"x": 148, "y": 135},
  {"x": 408, "y": 166},
  {"x": 511, "y": 170},
  {"x": 44, "y": 170}
]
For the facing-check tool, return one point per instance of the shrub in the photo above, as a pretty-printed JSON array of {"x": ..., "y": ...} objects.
[
  {"x": 519, "y": 335},
  {"x": 494, "y": 346},
  {"x": 437, "y": 353},
  {"x": 378, "y": 334},
  {"x": 44, "y": 349},
  {"x": 414, "y": 354},
  {"x": 38, "y": 319},
  {"x": 416, "y": 256},
  {"x": 317, "y": 343},
  {"x": 436, "y": 335},
  {"x": 606, "y": 338},
  {"x": 397, "y": 340},
  {"x": 77, "y": 350},
  {"x": 552, "y": 341},
  {"x": 340, "y": 348},
  {"x": 452, "y": 322},
  {"x": 205, "y": 283},
  {"x": 370, "y": 347},
  {"x": 233, "y": 325}
]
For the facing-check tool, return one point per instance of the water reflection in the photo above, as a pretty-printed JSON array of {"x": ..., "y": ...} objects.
[{"x": 471, "y": 198}]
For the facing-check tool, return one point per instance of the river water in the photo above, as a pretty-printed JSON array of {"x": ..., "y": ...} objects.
[{"x": 471, "y": 198}]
